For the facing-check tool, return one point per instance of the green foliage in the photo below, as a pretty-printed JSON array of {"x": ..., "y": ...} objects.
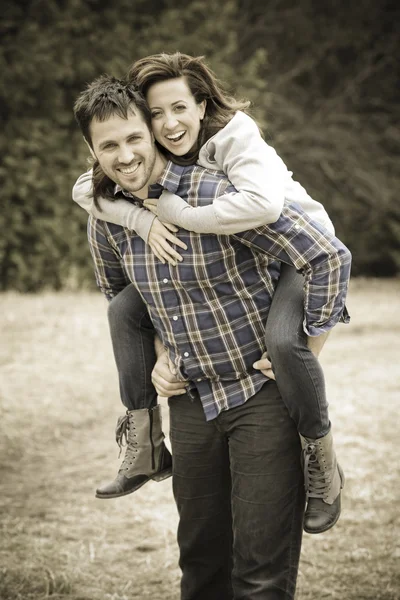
[{"x": 321, "y": 78}]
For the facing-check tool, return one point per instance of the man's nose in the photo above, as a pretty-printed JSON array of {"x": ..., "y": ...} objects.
[{"x": 125, "y": 155}]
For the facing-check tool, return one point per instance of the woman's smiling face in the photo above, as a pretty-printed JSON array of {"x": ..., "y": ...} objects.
[{"x": 176, "y": 116}]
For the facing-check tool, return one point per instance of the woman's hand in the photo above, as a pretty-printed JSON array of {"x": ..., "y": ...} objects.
[
  {"x": 168, "y": 207},
  {"x": 265, "y": 366},
  {"x": 159, "y": 236},
  {"x": 164, "y": 379},
  {"x": 151, "y": 205}
]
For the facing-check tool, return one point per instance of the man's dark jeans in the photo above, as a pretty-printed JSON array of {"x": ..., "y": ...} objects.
[{"x": 239, "y": 490}]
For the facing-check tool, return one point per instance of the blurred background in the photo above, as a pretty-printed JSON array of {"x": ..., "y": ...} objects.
[{"x": 322, "y": 78}]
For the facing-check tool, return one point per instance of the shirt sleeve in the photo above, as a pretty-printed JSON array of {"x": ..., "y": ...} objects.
[
  {"x": 322, "y": 258},
  {"x": 118, "y": 211},
  {"x": 111, "y": 276}
]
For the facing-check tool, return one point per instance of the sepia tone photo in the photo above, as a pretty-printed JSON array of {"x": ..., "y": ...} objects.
[{"x": 200, "y": 299}]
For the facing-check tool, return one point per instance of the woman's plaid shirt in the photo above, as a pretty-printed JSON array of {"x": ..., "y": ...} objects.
[{"x": 211, "y": 309}]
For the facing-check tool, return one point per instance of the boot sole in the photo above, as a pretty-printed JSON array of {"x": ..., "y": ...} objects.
[
  {"x": 316, "y": 531},
  {"x": 162, "y": 475},
  {"x": 159, "y": 477},
  {"x": 110, "y": 496}
]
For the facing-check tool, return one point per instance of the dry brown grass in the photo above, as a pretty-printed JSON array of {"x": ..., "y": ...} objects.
[{"x": 58, "y": 405}]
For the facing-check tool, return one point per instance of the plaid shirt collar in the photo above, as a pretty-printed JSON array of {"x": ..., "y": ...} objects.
[{"x": 169, "y": 179}]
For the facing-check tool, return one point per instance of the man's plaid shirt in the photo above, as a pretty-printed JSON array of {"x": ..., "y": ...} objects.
[{"x": 210, "y": 310}]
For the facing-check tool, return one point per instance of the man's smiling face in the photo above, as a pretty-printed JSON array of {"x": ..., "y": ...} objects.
[{"x": 125, "y": 150}]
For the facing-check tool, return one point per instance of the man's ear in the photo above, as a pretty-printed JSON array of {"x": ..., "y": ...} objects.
[{"x": 90, "y": 149}]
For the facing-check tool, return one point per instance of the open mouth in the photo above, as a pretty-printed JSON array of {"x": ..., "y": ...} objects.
[
  {"x": 176, "y": 137},
  {"x": 129, "y": 170}
]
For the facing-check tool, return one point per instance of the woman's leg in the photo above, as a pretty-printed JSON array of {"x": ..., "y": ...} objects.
[
  {"x": 297, "y": 371},
  {"x": 132, "y": 336},
  {"x": 301, "y": 383},
  {"x": 146, "y": 456}
]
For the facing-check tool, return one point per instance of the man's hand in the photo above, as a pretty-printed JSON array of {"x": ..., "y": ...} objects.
[
  {"x": 164, "y": 379},
  {"x": 159, "y": 236},
  {"x": 264, "y": 365}
]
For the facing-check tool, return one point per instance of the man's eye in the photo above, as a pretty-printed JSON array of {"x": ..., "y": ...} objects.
[
  {"x": 109, "y": 147},
  {"x": 180, "y": 107}
]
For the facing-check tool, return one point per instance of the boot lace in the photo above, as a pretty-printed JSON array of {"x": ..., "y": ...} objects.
[
  {"x": 316, "y": 480},
  {"x": 124, "y": 436}
]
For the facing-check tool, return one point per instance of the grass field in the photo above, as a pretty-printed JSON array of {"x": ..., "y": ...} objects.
[{"x": 58, "y": 406}]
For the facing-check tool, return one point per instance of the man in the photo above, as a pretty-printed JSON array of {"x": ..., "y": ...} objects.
[{"x": 237, "y": 477}]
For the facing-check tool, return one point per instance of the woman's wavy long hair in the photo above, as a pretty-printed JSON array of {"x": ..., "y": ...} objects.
[{"x": 203, "y": 84}]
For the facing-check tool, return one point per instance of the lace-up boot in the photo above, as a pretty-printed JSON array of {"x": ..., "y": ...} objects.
[
  {"x": 323, "y": 479},
  {"x": 146, "y": 456}
]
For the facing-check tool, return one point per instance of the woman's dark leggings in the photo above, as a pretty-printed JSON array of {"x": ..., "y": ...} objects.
[
  {"x": 298, "y": 373},
  {"x": 132, "y": 336}
]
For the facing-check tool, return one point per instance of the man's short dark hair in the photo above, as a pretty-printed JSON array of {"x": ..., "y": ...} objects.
[{"x": 105, "y": 97}]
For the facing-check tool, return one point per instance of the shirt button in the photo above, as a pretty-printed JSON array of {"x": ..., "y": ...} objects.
[
  {"x": 165, "y": 280},
  {"x": 199, "y": 379},
  {"x": 186, "y": 354},
  {"x": 175, "y": 318}
]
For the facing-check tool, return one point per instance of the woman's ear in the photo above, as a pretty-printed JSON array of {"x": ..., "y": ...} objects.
[{"x": 202, "y": 108}]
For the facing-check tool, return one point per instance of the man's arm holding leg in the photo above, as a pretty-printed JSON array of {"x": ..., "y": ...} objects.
[
  {"x": 163, "y": 376},
  {"x": 322, "y": 258},
  {"x": 315, "y": 343}
]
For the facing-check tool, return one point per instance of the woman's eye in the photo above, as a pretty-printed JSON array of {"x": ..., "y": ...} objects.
[
  {"x": 180, "y": 107},
  {"x": 155, "y": 114}
]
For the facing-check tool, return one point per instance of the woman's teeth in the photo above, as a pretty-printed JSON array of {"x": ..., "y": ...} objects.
[{"x": 176, "y": 137}]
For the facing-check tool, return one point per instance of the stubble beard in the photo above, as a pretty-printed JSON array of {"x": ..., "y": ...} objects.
[{"x": 145, "y": 177}]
